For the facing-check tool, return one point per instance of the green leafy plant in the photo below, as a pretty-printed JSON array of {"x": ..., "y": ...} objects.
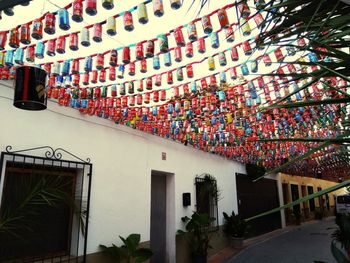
[
  {"x": 31, "y": 203},
  {"x": 325, "y": 27},
  {"x": 200, "y": 4},
  {"x": 197, "y": 234},
  {"x": 34, "y": 195},
  {"x": 209, "y": 188},
  {"x": 342, "y": 233},
  {"x": 129, "y": 252},
  {"x": 338, "y": 254},
  {"x": 234, "y": 225}
]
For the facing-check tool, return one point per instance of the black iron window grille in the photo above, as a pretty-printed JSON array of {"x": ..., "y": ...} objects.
[
  {"x": 207, "y": 197},
  {"x": 44, "y": 206}
]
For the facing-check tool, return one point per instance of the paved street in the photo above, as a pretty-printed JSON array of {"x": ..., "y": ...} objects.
[{"x": 304, "y": 244}]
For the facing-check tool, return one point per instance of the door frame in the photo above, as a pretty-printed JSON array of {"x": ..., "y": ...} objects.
[
  {"x": 297, "y": 207},
  {"x": 170, "y": 214}
]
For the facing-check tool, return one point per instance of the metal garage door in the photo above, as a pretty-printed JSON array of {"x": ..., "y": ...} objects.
[{"x": 255, "y": 198}]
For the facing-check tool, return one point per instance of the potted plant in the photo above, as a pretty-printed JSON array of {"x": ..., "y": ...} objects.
[
  {"x": 235, "y": 227},
  {"x": 198, "y": 236},
  {"x": 129, "y": 252}
]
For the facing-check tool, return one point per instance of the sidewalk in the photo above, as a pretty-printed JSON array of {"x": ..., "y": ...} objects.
[{"x": 229, "y": 252}]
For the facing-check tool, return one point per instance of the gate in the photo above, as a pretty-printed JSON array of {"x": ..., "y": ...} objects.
[{"x": 255, "y": 198}]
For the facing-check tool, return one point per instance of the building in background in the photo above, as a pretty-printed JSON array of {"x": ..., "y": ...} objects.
[{"x": 295, "y": 187}]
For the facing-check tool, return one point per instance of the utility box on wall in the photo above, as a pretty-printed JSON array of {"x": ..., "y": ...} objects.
[{"x": 186, "y": 199}]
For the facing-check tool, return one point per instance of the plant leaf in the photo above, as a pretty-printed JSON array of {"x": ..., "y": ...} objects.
[
  {"x": 281, "y": 167},
  {"x": 143, "y": 254},
  {"x": 338, "y": 254},
  {"x": 308, "y": 103}
]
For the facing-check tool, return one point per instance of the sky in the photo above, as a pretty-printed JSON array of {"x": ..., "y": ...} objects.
[{"x": 156, "y": 25}]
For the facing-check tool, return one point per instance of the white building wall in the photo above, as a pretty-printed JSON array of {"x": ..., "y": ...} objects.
[{"x": 122, "y": 159}]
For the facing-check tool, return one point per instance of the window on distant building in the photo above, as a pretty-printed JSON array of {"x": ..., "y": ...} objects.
[{"x": 207, "y": 196}]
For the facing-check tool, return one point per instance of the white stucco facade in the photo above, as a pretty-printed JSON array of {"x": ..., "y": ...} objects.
[{"x": 122, "y": 159}]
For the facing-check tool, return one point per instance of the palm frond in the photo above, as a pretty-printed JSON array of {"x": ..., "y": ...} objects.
[
  {"x": 308, "y": 103},
  {"x": 34, "y": 195},
  {"x": 293, "y": 161},
  {"x": 200, "y": 5},
  {"x": 319, "y": 140}
]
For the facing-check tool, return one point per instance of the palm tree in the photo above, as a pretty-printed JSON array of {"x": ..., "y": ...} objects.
[
  {"x": 319, "y": 28},
  {"x": 324, "y": 27}
]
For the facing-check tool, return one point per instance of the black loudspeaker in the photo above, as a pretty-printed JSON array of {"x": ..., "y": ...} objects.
[
  {"x": 186, "y": 199},
  {"x": 30, "y": 88}
]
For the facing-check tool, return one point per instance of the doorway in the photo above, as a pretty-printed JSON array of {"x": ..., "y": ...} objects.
[
  {"x": 295, "y": 196},
  {"x": 162, "y": 239},
  {"x": 310, "y": 191},
  {"x": 286, "y": 200},
  {"x": 252, "y": 200},
  {"x": 320, "y": 199},
  {"x": 306, "y": 211}
]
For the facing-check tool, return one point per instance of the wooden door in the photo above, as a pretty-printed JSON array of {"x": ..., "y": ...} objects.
[{"x": 255, "y": 198}]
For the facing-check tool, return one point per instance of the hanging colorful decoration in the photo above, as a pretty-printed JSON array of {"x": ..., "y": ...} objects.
[
  {"x": 50, "y": 21},
  {"x": 221, "y": 113},
  {"x": 126, "y": 55},
  {"x": 210, "y": 117},
  {"x": 263, "y": 85}
]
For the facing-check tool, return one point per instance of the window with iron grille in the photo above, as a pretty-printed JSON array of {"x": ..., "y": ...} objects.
[
  {"x": 207, "y": 195},
  {"x": 43, "y": 209}
]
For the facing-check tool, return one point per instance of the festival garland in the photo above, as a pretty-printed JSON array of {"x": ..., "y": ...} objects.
[
  {"x": 22, "y": 34},
  {"x": 37, "y": 51},
  {"x": 215, "y": 119},
  {"x": 219, "y": 118}
]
